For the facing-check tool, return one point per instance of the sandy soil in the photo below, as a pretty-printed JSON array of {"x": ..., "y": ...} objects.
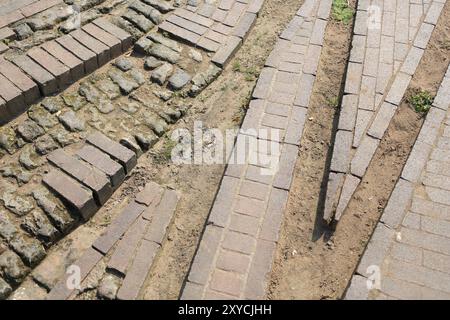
[{"x": 314, "y": 261}]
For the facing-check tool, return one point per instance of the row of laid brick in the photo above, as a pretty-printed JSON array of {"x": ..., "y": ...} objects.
[
  {"x": 87, "y": 181},
  {"x": 56, "y": 64},
  {"x": 236, "y": 252},
  {"x": 405, "y": 201},
  {"x": 30, "y": 8},
  {"x": 130, "y": 243},
  {"x": 348, "y": 165},
  {"x": 222, "y": 35}
]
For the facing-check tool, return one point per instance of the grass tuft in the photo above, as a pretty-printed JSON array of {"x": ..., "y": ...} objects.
[{"x": 342, "y": 11}]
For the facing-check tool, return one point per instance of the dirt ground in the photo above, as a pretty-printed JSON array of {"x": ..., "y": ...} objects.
[{"x": 313, "y": 260}]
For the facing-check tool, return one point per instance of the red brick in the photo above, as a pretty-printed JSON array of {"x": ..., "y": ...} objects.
[
  {"x": 72, "y": 192},
  {"x": 12, "y": 96},
  {"x": 46, "y": 81},
  {"x": 124, "y": 155},
  {"x": 234, "y": 14},
  {"x": 204, "y": 258},
  {"x": 163, "y": 215},
  {"x": 152, "y": 192},
  {"x": 90, "y": 177},
  {"x": 124, "y": 252},
  {"x": 75, "y": 65},
  {"x": 187, "y": 24},
  {"x": 112, "y": 42},
  {"x": 86, "y": 263},
  {"x": 227, "y": 282},
  {"x": 226, "y": 52},
  {"x": 104, "y": 163},
  {"x": 118, "y": 227},
  {"x": 179, "y": 32},
  {"x": 60, "y": 71},
  {"x": 138, "y": 271},
  {"x": 122, "y": 35},
  {"x": 10, "y": 18},
  {"x": 206, "y": 22},
  {"x": 87, "y": 56},
  {"x": 100, "y": 49},
  {"x": 39, "y": 6}
]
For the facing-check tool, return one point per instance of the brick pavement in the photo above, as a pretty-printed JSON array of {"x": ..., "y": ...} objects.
[
  {"x": 389, "y": 39},
  {"x": 235, "y": 253},
  {"x": 410, "y": 246}
]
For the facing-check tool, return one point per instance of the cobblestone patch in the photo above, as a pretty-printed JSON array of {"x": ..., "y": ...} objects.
[
  {"x": 411, "y": 253},
  {"x": 388, "y": 44},
  {"x": 235, "y": 254}
]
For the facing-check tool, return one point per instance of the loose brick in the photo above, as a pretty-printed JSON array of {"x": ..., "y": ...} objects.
[
  {"x": 382, "y": 120},
  {"x": 126, "y": 248},
  {"x": 416, "y": 161},
  {"x": 104, "y": 163},
  {"x": 90, "y": 177},
  {"x": 271, "y": 225},
  {"x": 342, "y": 151},
  {"x": 87, "y": 56},
  {"x": 363, "y": 156},
  {"x": 100, "y": 49},
  {"x": 163, "y": 215},
  {"x": 139, "y": 269},
  {"x": 203, "y": 261},
  {"x": 114, "y": 44},
  {"x": 122, "y": 35},
  {"x": 398, "y": 204},
  {"x": 284, "y": 175},
  {"x": 118, "y": 227},
  {"x": 234, "y": 14},
  {"x": 226, "y": 52},
  {"x": 75, "y": 65},
  {"x": 348, "y": 189},
  {"x": 180, "y": 32},
  {"x": 221, "y": 209},
  {"x": 56, "y": 68},
  {"x": 85, "y": 264},
  {"x": 46, "y": 81},
  {"x": 71, "y": 191},
  {"x": 152, "y": 193},
  {"x": 12, "y": 96},
  {"x": 124, "y": 155}
]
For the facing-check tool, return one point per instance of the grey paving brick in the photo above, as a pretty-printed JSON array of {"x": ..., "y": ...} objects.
[
  {"x": 347, "y": 116},
  {"x": 360, "y": 26},
  {"x": 424, "y": 35},
  {"x": 442, "y": 99},
  {"x": 262, "y": 88},
  {"x": 245, "y": 24},
  {"x": 192, "y": 291},
  {"x": 438, "y": 195},
  {"x": 244, "y": 224},
  {"x": 425, "y": 240},
  {"x": 341, "y": 151},
  {"x": 363, "y": 156},
  {"x": 429, "y": 131},
  {"x": 407, "y": 253},
  {"x": 411, "y": 220},
  {"x": 221, "y": 209},
  {"x": 358, "y": 50},
  {"x": 416, "y": 161},
  {"x": 398, "y": 203},
  {"x": 398, "y": 88},
  {"x": 353, "y": 78},
  {"x": 348, "y": 189},
  {"x": 312, "y": 59},
  {"x": 429, "y": 208},
  {"x": 239, "y": 242},
  {"x": 371, "y": 62},
  {"x": 434, "y": 12},
  {"x": 305, "y": 89},
  {"x": 335, "y": 181},
  {"x": 363, "y": 118},
  {"x": 284, "y": 175},
  {"x": 412, "y": 60},
  {"x": 225, "y": 53},
  {"x": 436, "y": 261},
  {"x": 358, "y": 289},
  {"x": 318, "y": 32},
  {"x": 367, "y": 93},
  {"x": 271, "y": 224},
  {"x": 388, "y": 24},
  {"x": 382, "y": 120},
  {"x": 295, "y": 127}
]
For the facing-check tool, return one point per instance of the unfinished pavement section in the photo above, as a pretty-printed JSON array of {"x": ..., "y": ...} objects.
[
  {"x": 410, "y": 245},
  {"x": 383, "y": 59},
  {"x": 235, "y": 254}
]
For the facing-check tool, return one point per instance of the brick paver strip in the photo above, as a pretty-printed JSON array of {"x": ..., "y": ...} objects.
[
  {"x": 56, "y": 68},
  {"x": 235, "y": 254},
  {"x": 46, "y": 81},
  {"x": 350, "y": 184},
  {"x": 111, "y": 41},
  {"x": 104, "y": 163},
  {"x": 160, "y": 221},
  {"x": 71, "y": 191},
  {"x": 342, "y": 144},
  {"x": 138, "y": 271},
  {"x": 122, "y": 35},
  {"x": 87, "y": 56},
  {"x": 245, "y": 24},
  {"x": 118, "y": 227},
  {"x": 124, "y": 155},
  {"x": 100, "y": 49},
  {"x": 85, "y": 264},
  {"x": 73, "y": 63},
  {"x": 92, "y": 178},
  {"x": 225, "y": 53}
]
